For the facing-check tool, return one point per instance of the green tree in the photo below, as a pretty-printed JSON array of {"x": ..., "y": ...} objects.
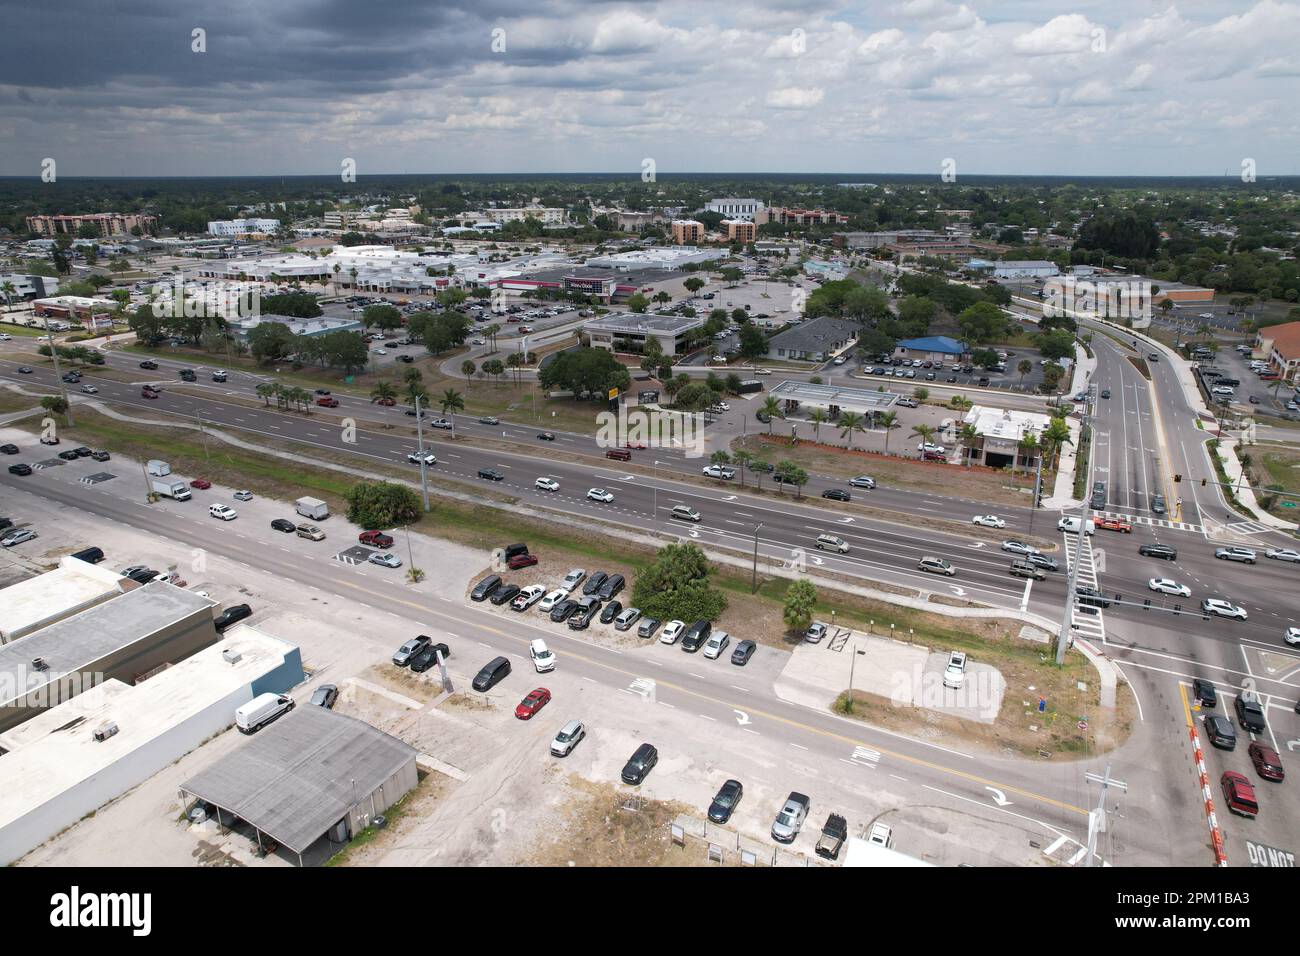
[
  {"x": 383, "y": 392},
  {"x": 451, "y": 401},
  {"x": 818, "y": 417},
  {"x": 638, "y": 302},
  {"x": 798, "y": 606},
  {"x": 982, "y": 322},
  {"x": 851, "y": 422},
  {"x": 468, "y": 368},
  {"x": 742, "y": 459},
  {"x": 772, "y": 409},
  {"x": 382, "y": 504},
  {"x": 753, "y": 343},
  {"x": 888, "y": 421},
  {"x": 1024, "y": 367},
  {"x": 676, "y": 586}
]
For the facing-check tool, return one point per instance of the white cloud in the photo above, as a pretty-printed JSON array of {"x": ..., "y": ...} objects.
[
  {"x": 1071, "y": 33},
  {"x": 795, "y": 98}
]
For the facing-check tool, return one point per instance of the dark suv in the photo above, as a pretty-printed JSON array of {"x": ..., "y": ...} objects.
[
  {"x": 640, "y": 765},
  {"x": 613, "y": 584},
  {"x": 485, "y": 587},
  {"x": 1091, "y": 596},
  {"x": 595, "y": 583},
  {"x": 1158, "y": 551},
  {"x": 1250, "y": 714},
  {"x": 696, "y": 635}
]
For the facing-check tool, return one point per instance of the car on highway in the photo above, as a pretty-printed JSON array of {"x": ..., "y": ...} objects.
[
  {"x": 1283, "y": 554},
  {"x": 1018, "y": 547},
  {"x": 542, "y": 658},
  {"x": 1220, "y": 732},
  {"x": 402, "y": 656},
  {"x": 546, "y": 436},
  {"x": 1239, "y": 794},
  {"x": 429, "y": 458},
  {"x": 283, "y": 524},
  {"x": 527, "y": 597},
  {"x": 489, "y": 420},
  {"x": 90, "y": 389},
  {"x": 231, "y": 615},
  {"x": 725, "y": 801},
  {"x": 717, "y": 643},
  {"x": 22, "y": 470},
  {"x": 570, "y": 736},
  {"x": 672, "y": 631},
  {"x": 685, "y": 513},
  {"x": 326, "y": 695},
  {"x": 1158, "y": 505},
  {"x": 640, "y": 764},
  {"x": 535, "y": 700},
  {"x": 1091, "y": 597},
  {"x": 863, "y": 481},
  {"x": 1292, "y": 635},
  {"x": 1249, "y": 713},
  {"x": 491, "y": 474},
  {"x": 1162, "y": 551},
  {"x": 1245, "y": 555},
  {"x": 600, "y": 494},
  {"x": 148, "y": 392},
  {"x": 546, "y": 484},
  {"x": 1169, "y": 586},
  {"x": 1105, "y": 393},
  {"x": 149, "y": 364},
  {"x": 1023, "y": 569},
  {"x": 224, "y": 512},
  {"x": 1267, "y": 763},
  {"x": 833, "y": 542},
  {"x": 790, "y": 819},
  {"x": 376, "y": 539},
  {"x": 385, "y": 559},
  {"x": 1042, "y": 561},
  {"x": 1221, "y": 608},
  {"x": 988, "y": 521},
  {"x": 25, "y": 370},
  {"x": 552, "y": 598},
  {"x": 837, "y": 494},
  {"x": 935, "y": 566}
]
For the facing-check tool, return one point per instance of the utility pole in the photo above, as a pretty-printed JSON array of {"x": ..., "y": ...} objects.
[
  {"x": 203, "y": 432},
  {"x": 753, "y": 581},
  {"x": 1038, "y": 487},
  {"x": 54, "y": 354},
  {"x": 424, "y": 467},
  {"x": 1067, "y": 618},
  {"x": 1097, "y": 818}
]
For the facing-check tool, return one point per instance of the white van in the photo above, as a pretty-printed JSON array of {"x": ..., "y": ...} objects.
[
  {"x": 1071, "y": 525},
  {"x": 260, "y": 711},
  {"x": 685, "y": 513},
  {"x": 833, "y": 542}
]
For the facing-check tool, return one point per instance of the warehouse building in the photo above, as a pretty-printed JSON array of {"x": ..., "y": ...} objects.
[
  {"x": 309, "y": 782},
  {"x": 72, "y": 587},
  {"x": 78, "y": 756}
]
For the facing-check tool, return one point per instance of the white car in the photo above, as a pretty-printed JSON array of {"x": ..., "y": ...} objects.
[
  {"x": 542, "y": 657},
  {"x": 243, "y": 495},
  {"x": 763, "y": 371},
  {"x": 931, "y": 448},
  {"x": 527, "y": 597},
  {"x": 414, "y": 458},
  {"x": 1019, "y": 547},
  {"x": 90, "y": 389},
  {"x": 551, "y": 599},
  {"x": 954, "y": 675},
  {"x": 1282, "y": 554},
  {"x": 600, "y": 494},
  {"x": 988, "y": 521},
  {"x": 1169, "y": 586},
  {"x": 863, "y": 481},
  {"x": 1221, "y": 608},
  {"x": 839, "y": 361},
  {"x": 719, "y": 471},
  {"x": 224, "y": 512},
  {"x": 386, "y": 559},
  {"x": 1291, "y": 635},
  {"x": 546, "y": 484},
  {"x": 716, "y": 644},
  {"x": 572, "y": 580},
  {"x": 724, "y": 406},
  {"x": 671, "y": 632},
  {"x": 381, "y": 352}
]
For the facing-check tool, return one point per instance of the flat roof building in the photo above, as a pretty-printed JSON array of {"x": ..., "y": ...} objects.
[
  {"x": 687, "y": 232},
  {"x": 935, "y": 348},
  {"x": 656, "y": 257},
  {"x": 731, "y": 206},
  {"x": 317, "y": 326},
  {"x": 630, "y": 332},
  {"x": 1000, "y": 431},
  {"x": 69, "y": 589},
  {"x": 57, "y": 769}
]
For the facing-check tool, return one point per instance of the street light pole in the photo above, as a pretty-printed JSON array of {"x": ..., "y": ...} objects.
[
  {"x": 54, "y": 354},
  {"x": 753, "y": 581},
  {"x": 1067, "y": 618},
  {"x": 419, "y": 438},
  {"x": 655, "y": 516}
]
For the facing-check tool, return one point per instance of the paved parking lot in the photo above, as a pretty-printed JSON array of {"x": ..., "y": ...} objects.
[{"x": 1270, "y": 398}]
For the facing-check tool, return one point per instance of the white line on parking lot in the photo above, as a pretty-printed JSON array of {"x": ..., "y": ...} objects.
[{"x": 798, "y": 746}]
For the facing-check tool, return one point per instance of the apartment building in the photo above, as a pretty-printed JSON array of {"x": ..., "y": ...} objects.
[
  {"x": 743, "y": 231},
  {"x": 687, "y": 232},
  {"x": 108, "y": 224},
  {"x": 790, "y": 216},
  {"x": 546, "y": 215},
  {"x": 733, "y": 207}
]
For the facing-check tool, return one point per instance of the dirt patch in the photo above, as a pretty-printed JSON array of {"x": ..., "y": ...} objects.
[
  {"x": 592, "y": 829},
  {"x": 401, "y": 820}
]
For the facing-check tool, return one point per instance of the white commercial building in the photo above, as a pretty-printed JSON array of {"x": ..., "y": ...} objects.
[
  {"x": 234, "y": 228},
  {"x": 69, "y": 589},
  {"x": 74, "y": 758},
  {"x": 735, "y": 208},
  {"x": 656, "y": 257},
  {"x": 1025, "y": 269},
  {"x": 1000, "y": 431},
  {"x": 546, "y": 215}
]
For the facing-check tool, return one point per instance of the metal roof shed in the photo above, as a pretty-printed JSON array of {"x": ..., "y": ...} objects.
[{"x": 304, "y": 774}]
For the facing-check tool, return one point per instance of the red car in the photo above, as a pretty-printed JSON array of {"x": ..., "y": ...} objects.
[
  {"x": 385, "y": 401},
  {"x": 1114, "y": 524},
  {"x": 376, "y": 539},
  {"x": 1267, "y": 763},
  {"x": 147, "y": 392},
  {"x": 535, "y": 701},
  {"x": 327, "y": 401},
  {"x": 521, "y": 561},
  {"x": 1238, "y": 793},
  {"x": 201, "y": 483},
  {"x": 636, "y": 445}
]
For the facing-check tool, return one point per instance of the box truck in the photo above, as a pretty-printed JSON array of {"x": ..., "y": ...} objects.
[
  {"x": 312, "y": 508},
  {"x": 170, "y": 488},
  {"x": 159, "y": 468}
]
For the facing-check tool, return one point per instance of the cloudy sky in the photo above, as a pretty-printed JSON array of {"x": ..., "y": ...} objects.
[{"x": 296, "y": 86}]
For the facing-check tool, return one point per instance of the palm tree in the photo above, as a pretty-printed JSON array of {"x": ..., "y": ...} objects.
[
  {"x": 265, "y": 390},
  {"x": 742, "y": 458},
  {"x": 968, "y": 434},
  {"x": 468, "y": 368},
  {"x": 720, "y": 458},
  {"x": 1024, "y": 367},
  {"x": 849, "y": 423},
  {"x": 923, "y": 432},
  {"x": 1055, "y": 436},
  {"x": 8, "y": 289},
  {"x": 1027, "y": 445},
  {"x": 817, "y": 417},
  {"x": 383, "y": 391},
  {"x": 451, "y": 399},
  {"x": 888, "y": 421},
  {"x": 414, "y": 391},
  {"x": 772, "y": 409}
]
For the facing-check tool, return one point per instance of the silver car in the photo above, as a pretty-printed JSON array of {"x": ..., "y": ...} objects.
[
  {"x": 1283, "y": 554},
  {"x": 790, "y": 820},
  {"x": 1235, "y": 554},
  {"x": 570, "y": 736}
]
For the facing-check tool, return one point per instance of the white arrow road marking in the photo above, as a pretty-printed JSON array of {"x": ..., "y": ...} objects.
[
  {"x": 695, "y": 534},
  {"x": 1293, "y": 744},
  {"x": 977, "y": 544},
  {"x": 846, "y": 521},
  {"x": 742, "y": 718},
  {"x": 999, "y": 797},
  {"x": 817, "y": 560},
  {"x": 729, "y": 498},
  {"x": 960, "y": 592}
]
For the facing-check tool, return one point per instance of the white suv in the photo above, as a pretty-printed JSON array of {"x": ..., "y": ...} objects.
[
  {"x": 954, "y": 675},
  {"x": 716, "y": 644},
  {"x": 224, "y": 512}
]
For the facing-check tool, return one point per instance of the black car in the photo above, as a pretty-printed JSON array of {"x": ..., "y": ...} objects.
[
  {"x": 696, "y": 636},
  {"x": 648, "y": 627},
  {"x": 837, "y": 494},
  {"x": 1221, "y": 733},
  {"x": 100, "y": 455},
  {"x": 612, "y": 610},
  {"x": 9, "y": 449},
  {"x": 1091, "y": 597},
  {"x": 564, "y": 610},
  {"x": 9, "y": 523},
  {"x": 1249, "y": 714},
  {"x": 1157, "y": 504},
  {"x": 1162, "y": 551},
  {"x": 20, "y": 469},
  {"x": 743, "y": 652},
  {"x": 1204, "y": 692},
  {"x": 640, "y": 765},
  {"x": 69, "y": 455},
  {"x": 581, "y": 618},
  {"x": 82, "y": 451},
  {"x": 491, "y": 474},
  {"x": 484, "y": 588},
  {"x": 725, "y": 803},
  {"x": 422, "y": 661},
  {"x": 546, "y": 436},
  {"x": 232, "y": 615},
  {"x": 24, "y": 370},
  {"x": 595, "y": 583},
  {"x": 188, "y": 375},
  {"x": 764, "y": 466},
  {"x": 326, "y": 696},
  {"x": 504, "y": 594},
  {"x": 149, "y": 364},
  {"x": 493, "y": 672},
  {"x": 284, "y": 524},
  {"x": 92, "y": 555},
  {"x": 611, "y": 586}
]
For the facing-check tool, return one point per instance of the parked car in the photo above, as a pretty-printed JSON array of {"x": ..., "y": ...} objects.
[
  {"x": 610, "y": 611},
  {"x": 1250, "y": 714},
  {"x": 570, "y": 736},
  {"x": 725, "y": 801},
  {"x": 1267, "y": 763},
  {"x": 551, "y": 599},
  {"x": 1204, "y": 693},
  {"x": 326, "y": 695},
  {"x": 594, "y": 583},
  {"x": 1220, "y": 732},
  {"x": 672, "y": 631},
  {"x": 1239, "y": 794},
  {"x": 743, "y": 652},
  {"x": 493, "y": 672},
  {"x": 231, "y": 615},
  {"x": 385, "y": 559},
  {"x": 640, "y": 764},
  {"x": 626, "y": 619},
  {"x": 527, "y": 597},
  {"x": 564, "y": 610},
  {"x": 412, "y": 647},
  {"x": 535, "y": 700},
  {"x": 790, "y": 819},
  {"x": 648, "y": 627},
  {"x": 504, "y": 594},
  {"x": 224, "y": 512}
]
